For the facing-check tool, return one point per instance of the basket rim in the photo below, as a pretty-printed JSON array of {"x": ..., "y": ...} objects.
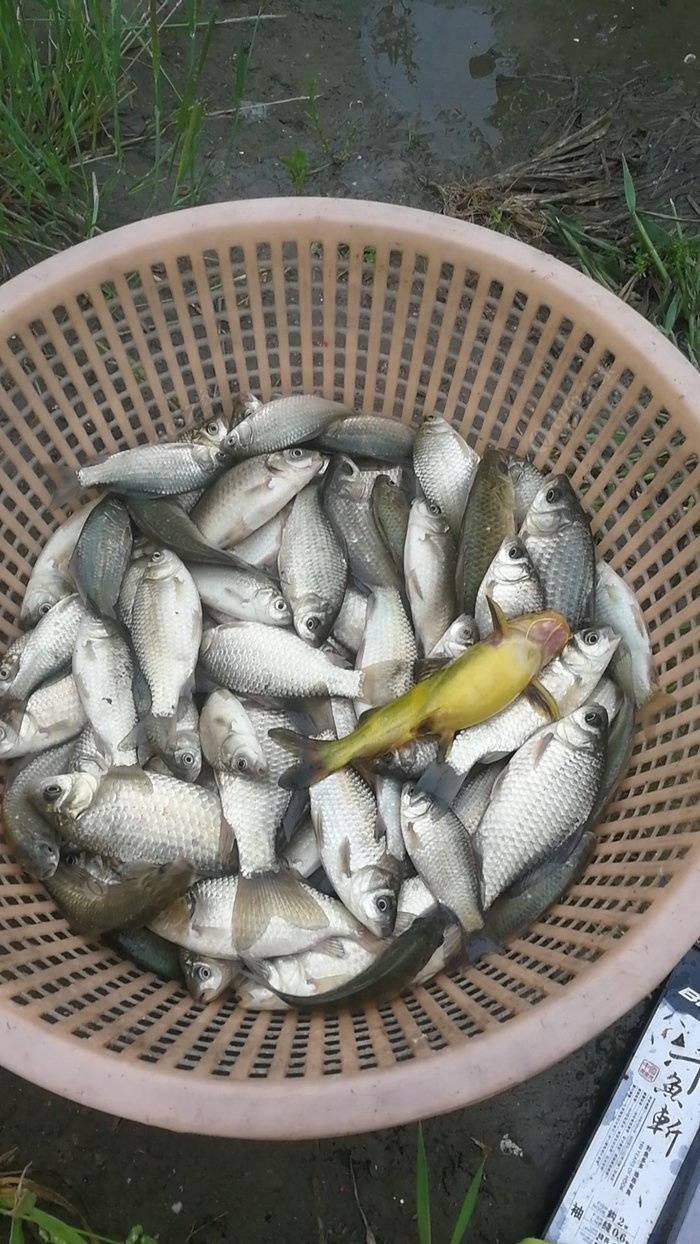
[
  {"x": 476, "y": 1068},
  {"x": 301, "y": 1109}
]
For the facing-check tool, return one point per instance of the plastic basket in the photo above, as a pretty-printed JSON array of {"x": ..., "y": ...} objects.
[{"x": 399, "y": 312}]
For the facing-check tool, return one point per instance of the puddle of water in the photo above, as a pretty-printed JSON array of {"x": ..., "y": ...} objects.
[{"x": 464, "y": 73}]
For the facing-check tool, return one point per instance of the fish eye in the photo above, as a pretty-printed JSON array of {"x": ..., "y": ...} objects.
[
  {"x": 434, "y": 508},
  {"x": 52, "y": 792},
  {"x": 347, "y": 468},
  {"x": 593, "y": 718},
  {"x": 5, "y": 672},
  {"x": 312, "y": 624},
  {"x": 553, "y": 494},
  {"x": 204, "y": 972},
  {"x": 242, "y": 764},
  {"x": 591, "y": 637},
  {"x": 514, "y": 552},
  {"x": 280, "y": 605},
  {"x": 157, "y": 556},
  {"x": 70, "y": 858},
  {"x": 212, "y": 428},
  {"x": 220, "y": 456},
  {"x": 188, "y": 760},
  {"x": 296, "y": 452},
  {"x": 45, "y": 608},
  {"x": 383, "y": 905}
]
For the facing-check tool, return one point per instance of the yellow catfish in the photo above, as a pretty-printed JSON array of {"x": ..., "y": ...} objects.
[{"x": 482, "y": 681}]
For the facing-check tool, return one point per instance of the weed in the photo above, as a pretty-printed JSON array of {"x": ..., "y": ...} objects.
[
  {"x": 297, "y": 164},
  {"x": 652, "y": 265},
  {"x": 70, "y": 68},
  {"x": 20, "y": 1198}
]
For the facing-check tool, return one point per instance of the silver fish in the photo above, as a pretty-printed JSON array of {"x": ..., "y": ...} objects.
[
  {"x": 617, "y": 606},
  {"x": 347, "y": 500},
  {"x": 229, "y": 741},
  {"x": 10, "y": 662},
  {"x": 543, "y": 797},
  {"x": 49, "y": 648},
  {"x": 156, "y": 470},
  {"x": 166, "y": 629},
  {"x": 141, "y": 553},
  {"x": 512, "y": 582},
  {"x": 387, "y": 791},
  {"x": 388, "y": 637},
  {"x": 302, "y": 853},
  {"x": 391, "y": 507},
  {"x": 349, "y": 626},
  {"x": 104, "y": 672},
  {"x": 98, "y": 906},
  {"x": 175, "y": 742},
  {"x": 246, "y": 596},
  {"x": 261, "y": 548},
  {"x": 429, "y": 571},
  {"x": 52, "y": 715},
  {"x": 253, "y": 659},
  {"x": 353, "y": 849},
  {"x": 415, "y": 899},
  {"x": 284, "y": 916},
  {"x": 526, "y": 481},
  {"x": 460, "y": 635},
  {"x": 445, "y": 467},
  {"x": 410, "y": 761},
  {"x": 368, "y": 436},
  {"x": 571, "y": 678},
  {"x": 50, "y": 579},
  {"x": 472, "y": 800},
  {"x": 102, "y": 554},
  {"x": 208, "y": 979},
  {"x": 87, "y": 755},
  {"x": 134, "y": 816},
  {"x": 283, "y": 422},
  {"x": 252, "y": 492},
  {"x": 254, "y": 810},
  {"x": 443, "y": 854},
  {"x": 558, "y": 538},
  {"x": 32, "y": 841},
  {"x": 312, "y": 567},
  {"x": 329, "y": 965}
]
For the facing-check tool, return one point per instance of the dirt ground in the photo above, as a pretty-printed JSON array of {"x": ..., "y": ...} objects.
[{"x": 409, "y": 91}]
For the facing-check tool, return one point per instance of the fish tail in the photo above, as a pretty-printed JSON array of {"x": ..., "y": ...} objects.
[
  {"x": 64, "y": 483},
  {"x": 482, "y": 943},
  {"x": 441, "y": 782},
  {"x": 381, "y": 683},
  {"x": 314, "y": 760},
  {"x": 265, "y": 896}
]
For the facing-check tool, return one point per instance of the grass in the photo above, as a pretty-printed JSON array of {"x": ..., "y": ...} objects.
[
  {"x": 652, "y": 261},
  {"x": 298, "y": 163},
  {"x": 70, "y": 68},
  {"x": 21, "y": 1204}
]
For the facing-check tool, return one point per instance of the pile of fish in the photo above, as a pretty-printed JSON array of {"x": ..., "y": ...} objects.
[{"x": 311, "y": 704}]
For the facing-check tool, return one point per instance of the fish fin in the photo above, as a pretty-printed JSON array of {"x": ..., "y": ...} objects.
[
  {"x": 541, "y": 699},
  {"x": 379, "y": 828},
  {"x": 64, "y": 483},
  {"x": 127, "y": 773},
  {"x": 425, "y": 667},
  {"x": 344, "y": 857},
  {"x": 265, "y": 895},
  {"x": 501, "y": 625},
  {"x": 365, "y": 770},
  {"x": 538, "y": 751},
  {"x": 444, "y": 745},
  {"x": 658, "y": 705},
  {"x": 482, "y": 943},
  {"x": 227, "y": 840},
  {"x": 376, "y": 683},
  {"x": 333, "y": 946},
  {"x": 295, "y": 813},
  {"x": 137, "y": 737},
  {"x": 311, "y": 768},
  {"x": 414, "y": 581},
  {"x": 441, "y": 782}
]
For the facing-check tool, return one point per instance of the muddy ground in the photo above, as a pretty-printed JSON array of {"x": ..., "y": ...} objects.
[{"x": 410, "y": 91}]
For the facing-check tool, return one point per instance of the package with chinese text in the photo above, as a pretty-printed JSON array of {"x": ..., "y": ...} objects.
[{"x": 628, "y": 1171}]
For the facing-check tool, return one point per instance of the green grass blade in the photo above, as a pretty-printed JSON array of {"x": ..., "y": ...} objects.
[
  {"x": 16, "y": 1231},
  {"x": 422, "y": 1192},
  {"x": 630, "y": 192},
  {"x": 56, "y": 1229},
  {"x": 468, "y": 1205}
]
